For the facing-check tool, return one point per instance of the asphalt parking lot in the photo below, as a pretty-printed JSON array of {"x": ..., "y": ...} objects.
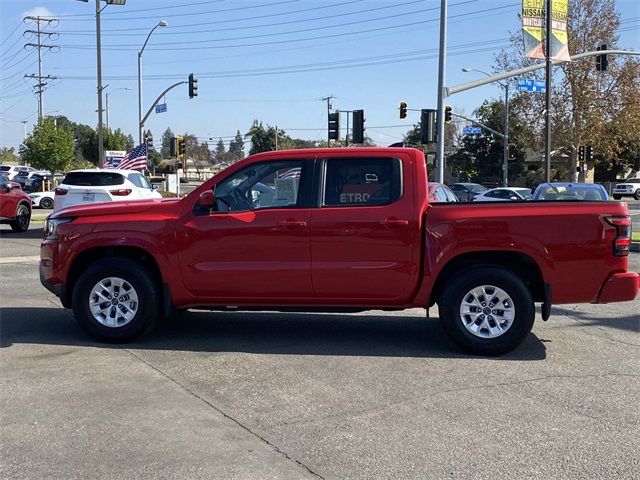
[{"x": 293, "y": 396}]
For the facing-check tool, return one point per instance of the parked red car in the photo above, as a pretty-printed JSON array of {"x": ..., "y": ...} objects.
[{"x": 15, "y": 205}]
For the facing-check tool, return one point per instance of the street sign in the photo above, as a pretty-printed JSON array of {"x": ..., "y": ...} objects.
[
  {"x": 161, "y": 108},
  {"x": 472, "y": 130},
  {"x": 532, "y": 85}
]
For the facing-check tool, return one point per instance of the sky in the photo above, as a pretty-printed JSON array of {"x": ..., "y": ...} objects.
[{"x": 270, "y": 60}]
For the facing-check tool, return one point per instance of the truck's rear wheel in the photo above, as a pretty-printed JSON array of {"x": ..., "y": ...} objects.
[
  {"x": 637, "y": 194},
  {"x": 115, "y": 300},
  {"x": 487, "y": 310}
]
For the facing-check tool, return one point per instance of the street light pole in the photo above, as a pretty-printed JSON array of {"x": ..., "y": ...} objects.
[
  {"x": 505, "y": 150},
  {"x": 162, "y": 23},
  {"x": 99, "y": 67},
  {"x": 107, "y": 101},
  {"x": 505, "y": 166}
]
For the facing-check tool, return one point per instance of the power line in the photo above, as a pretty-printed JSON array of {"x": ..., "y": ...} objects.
[
  {"x": 280, "y": 42},
  {"x": 39, "y": 33},
  {"x": 264, "y": 25}
]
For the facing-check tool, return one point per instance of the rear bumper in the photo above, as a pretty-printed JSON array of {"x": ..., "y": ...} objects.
[{"x": 620, "y": 287}]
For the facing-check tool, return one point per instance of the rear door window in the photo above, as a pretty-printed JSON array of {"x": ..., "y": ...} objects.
[
  {"x": 362, "y": 182},
  {"x": 93, "y": 179},
  {"x": 139, "y": 180}
]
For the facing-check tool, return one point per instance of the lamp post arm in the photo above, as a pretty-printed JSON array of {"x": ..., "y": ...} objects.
[
  {"x": 156, "y": 102},
  {"x": 146, "y": 41}
]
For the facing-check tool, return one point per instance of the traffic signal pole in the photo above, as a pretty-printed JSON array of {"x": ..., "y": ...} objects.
[
  {"x": 441, "y": 92},
  {"x": 156, "y": 102}
]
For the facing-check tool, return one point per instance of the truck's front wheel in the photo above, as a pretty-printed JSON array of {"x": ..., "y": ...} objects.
[
  {"x": 487, "y": 310},
  {"x": 115, "y": 300}
]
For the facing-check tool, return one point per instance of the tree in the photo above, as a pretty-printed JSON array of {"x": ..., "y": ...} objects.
[
  {"x": 264, "y": 139},
  {"x": 115, "y": 140},
  {"x": 48, "y": 147},
  {"x": 601, "y": 109},
  {"x": 165, "y": 151},
  {"x": 8, "y": 155},
  {"x": 219, "y": 154},
  {"x": 483, "y": 155},
  {"x": 236, "y": 147}
]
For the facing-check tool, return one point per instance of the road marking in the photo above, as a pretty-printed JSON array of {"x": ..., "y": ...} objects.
[{"x": 24, "y": 259}]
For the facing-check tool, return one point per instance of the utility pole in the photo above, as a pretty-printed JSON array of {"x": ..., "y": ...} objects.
[
  {"x": 547, "y": 128},
  {"x": 328, "y": 100},
  {"x": 39, "y": 33},
  {"x": 442, "y": 63}
]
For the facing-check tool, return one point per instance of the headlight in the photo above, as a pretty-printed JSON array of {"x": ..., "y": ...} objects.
[{"x": 51, "y": 227}]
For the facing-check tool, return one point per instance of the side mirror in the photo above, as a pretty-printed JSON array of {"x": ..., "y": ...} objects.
[
  {"x": 6, "y": 187},
  {"x": 206, "y": 199},
  {"x": 154, "y": 186}
]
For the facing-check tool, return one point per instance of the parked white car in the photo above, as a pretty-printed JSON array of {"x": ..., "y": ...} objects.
[
  {"x": 42, "y": 199},
  {"x": 102, "y": 185},
  {"x": 503, "y": 194}
]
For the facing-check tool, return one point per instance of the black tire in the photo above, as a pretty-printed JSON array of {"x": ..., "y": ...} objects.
[
  {"x": 135, "y": 276},
  {"x": 637, "y": 194},
  {"x": 461, "y": 287},
  {"x": 617, "y": 197},
  {"x": 23, "y": 219},
  {"x": 46, "y": 202}
]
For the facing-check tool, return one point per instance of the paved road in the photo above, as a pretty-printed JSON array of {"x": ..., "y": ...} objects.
[{"x": 295, "y": 396}]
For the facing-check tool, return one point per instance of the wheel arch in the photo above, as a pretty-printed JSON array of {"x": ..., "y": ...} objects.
[
  {"x": 26, "y": 203},
  {"x": 518, "y": 263},
  {"x": 135, "y": 254}
]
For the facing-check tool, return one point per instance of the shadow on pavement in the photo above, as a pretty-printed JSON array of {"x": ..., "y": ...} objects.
[
  {"x": 32, "y": 233},
  {"x": 264, "y": 333},
  {"x": 630, "y": 322}
]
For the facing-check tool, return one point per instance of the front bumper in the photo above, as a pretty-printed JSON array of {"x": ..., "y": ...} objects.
[
  {"x": 620, "y": 287},
  {"x": 58, "y": 289}
]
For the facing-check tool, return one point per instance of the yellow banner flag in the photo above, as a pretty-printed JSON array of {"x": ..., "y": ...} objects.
[
  {"x": 559, "y": 49},
  {"x": 533, "y": 28}
]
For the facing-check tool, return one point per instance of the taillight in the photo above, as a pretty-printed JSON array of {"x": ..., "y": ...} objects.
[
  {"x": 60, "y": 191},
  {"x": 123, "y": 192},
  {"x": 622, "y": 242}
]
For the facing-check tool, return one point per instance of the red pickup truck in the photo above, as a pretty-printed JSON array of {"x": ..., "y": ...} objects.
[{"x": 335, "y": 230}]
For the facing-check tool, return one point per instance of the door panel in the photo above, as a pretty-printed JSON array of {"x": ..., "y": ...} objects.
[
  {"x": 255, "y": 247},
  {"x": 250, "y": 255},
  {"x": 362, "y": 250}
]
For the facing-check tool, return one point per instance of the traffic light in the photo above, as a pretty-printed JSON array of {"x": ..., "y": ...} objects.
[
  {"x": 588, "y": 153},
  {"x": 182, "y": 146},
  {"x": 149, "y": 140},
  {"x": 581, "y": 153},
  {"x": 193, "y": 86},
  {"x": 427, "y": 126},
  {"x": 447, "y": 114},
  {"x": 173, "y": 147},
  {"x": 334, "y": 126},
  {"x": 358, "y": 126},
  {"x": 403, "y": 110},
  {"x": 602, "y": 63}
]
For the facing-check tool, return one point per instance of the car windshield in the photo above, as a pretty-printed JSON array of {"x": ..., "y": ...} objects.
[
  {"x": 475, "y": 188},
  {"x": 569, "y": 192},
  {"x": 93, "y": 179},
  {"x": 525, "y": 192},
  {"x": 4, "y": 168}
]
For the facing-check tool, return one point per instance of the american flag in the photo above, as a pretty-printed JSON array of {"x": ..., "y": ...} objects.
[
  {"x": 291, "y": 173},
  {"x": 136, "y": 159}
]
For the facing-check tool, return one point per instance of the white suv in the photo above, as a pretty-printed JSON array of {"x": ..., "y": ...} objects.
[
  {"x": 630, "y": 188},
  {"x": 12, "y": 170},
  {"x": 102, "y": 185}
]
